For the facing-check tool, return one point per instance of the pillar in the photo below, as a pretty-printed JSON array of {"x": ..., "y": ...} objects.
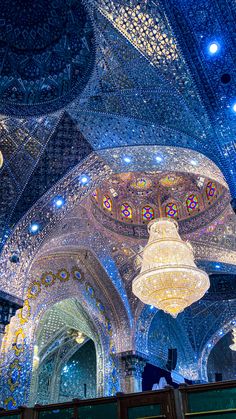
[{"x": 132, "y": 366}]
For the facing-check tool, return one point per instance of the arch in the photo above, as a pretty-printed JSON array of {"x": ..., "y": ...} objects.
[
  {"x": 60, "y": 349},
  {"x": 47, "y": 290},
  {"x": 161, "y": 326},
  {"x": 209, "y": 345},
  {"x": 97, "y": 168}
]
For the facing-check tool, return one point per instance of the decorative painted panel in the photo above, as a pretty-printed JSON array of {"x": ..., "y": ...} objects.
[
  {"x": 211, "y": 189},
  {"x": 147, "y": 213},
  {"x": 107, "y": 203},
  {"x": 126, "y": 211},
  {"x": 192, "y": 203},
  {"x": 171, "y": 210}
]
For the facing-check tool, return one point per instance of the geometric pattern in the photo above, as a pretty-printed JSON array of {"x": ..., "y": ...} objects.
[
  {"x": 126, "y": 210},
  {"x": 192, "y": 203},
  {"x": 47, "y": 54},
  {"x": 147, "y": 213},
  {"x": 171, "y": 210}
]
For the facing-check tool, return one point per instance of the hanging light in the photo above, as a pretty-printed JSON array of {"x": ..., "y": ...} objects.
[
  {"x": 233, "y": 346},
  {"x": 169, "y": 278},
  {"x": 1, "y": 159},
  {"x": 79, "y": 338}
]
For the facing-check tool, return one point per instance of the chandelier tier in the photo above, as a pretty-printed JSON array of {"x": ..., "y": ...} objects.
[
  {"x": 233, "y": 346},
  {"x": 169, "y": 278}
]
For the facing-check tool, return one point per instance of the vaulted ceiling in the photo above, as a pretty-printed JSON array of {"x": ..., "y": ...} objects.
[
  {"x": 84, "y": 76},
  {"x": 117, "y": 73}
]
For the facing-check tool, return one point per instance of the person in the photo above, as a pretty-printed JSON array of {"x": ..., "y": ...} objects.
[{"x": 162, "y": 384}]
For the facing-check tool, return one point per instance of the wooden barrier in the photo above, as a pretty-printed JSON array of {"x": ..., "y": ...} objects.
[
  {"x": 202, "y": 401},
  {"x": 209, "y": 401}
]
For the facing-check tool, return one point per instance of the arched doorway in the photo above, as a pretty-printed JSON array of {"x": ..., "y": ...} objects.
[
  {"x": 67, "y": 353},
  {"x": 221, "y": 363}
]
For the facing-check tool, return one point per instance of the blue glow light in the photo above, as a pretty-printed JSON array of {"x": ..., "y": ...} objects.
[
  {"x": 84, "y": 179},
  {"x": 213, "y": 48},
  {"x": 217, "y": 266},
  {"x": 59, "y": 202},
  {"x": 127, "y": 159},
  {"x": 194, "y": 162},
  {"x": 34, "y": 228},
  {"x": 234, "y": 107},
  {"x": 158, "y": 159},
  {"x": 151, "y": 307}
]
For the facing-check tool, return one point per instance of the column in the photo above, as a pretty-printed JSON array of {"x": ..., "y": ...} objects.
[{"x": 132, "y": 366}]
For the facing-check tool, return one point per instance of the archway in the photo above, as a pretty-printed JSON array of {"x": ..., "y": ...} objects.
[
  {"x": 67, "y": 353},
  {"x": 83, "y": 308},
  {"x": 222, "y": 368}
]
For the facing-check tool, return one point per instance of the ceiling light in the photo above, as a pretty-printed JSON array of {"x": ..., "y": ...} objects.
[
  {"x": 169, "y": 279},
  {"x": 84, "y": 179},
  {"x": 127, "y": 159},
  {"x": 59, "y": 202},
  {"x": 194, "y": 162},
  {"x": 158, "y": 159},
  {"x": 217, "y": 266},
  {"x": 34, "y": 228},
  {"x": 234, "y": 107},
  {"x": 213, "y": 48}
]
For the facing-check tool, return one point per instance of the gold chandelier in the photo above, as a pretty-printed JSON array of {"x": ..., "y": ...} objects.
[
  {"x": 169, "y": 278},
  {"x": 233, "y": 346}
]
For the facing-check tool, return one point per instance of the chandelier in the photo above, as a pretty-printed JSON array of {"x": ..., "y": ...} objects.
[
  {"x": 233, "y": 346},
  {"x": 169, "y": 278}
]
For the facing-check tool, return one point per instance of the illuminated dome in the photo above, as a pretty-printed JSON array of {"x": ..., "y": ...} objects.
[
  {"x": 132, "y": 199},
  {"x": 48, "y": 55}
]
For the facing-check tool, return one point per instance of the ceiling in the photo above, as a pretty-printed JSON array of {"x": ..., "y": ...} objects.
[
  {"x": 104, "y": 88},
  {"x": 153, "y": 81},
  {"x": 135, "y": 198}
]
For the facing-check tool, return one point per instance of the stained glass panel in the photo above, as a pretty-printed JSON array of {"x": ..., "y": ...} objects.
[
  {"x": 147, "y": 213},
  {"x": 211, "y": 189},
  {"x": 107, "y": 202},
  {"x": 126, "y": 211},
  {"x": 192, "y": 203},
  {"x": 171, "y": 210}
]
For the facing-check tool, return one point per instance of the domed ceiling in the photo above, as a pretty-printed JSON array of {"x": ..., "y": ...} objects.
[
  {"x": 47, "y": 53},
  {"x": 133, "y": 199}
]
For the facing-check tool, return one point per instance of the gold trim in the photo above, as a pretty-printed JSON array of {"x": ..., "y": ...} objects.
[
  {"x": 152, "y": 417},
  {"x": 209, "y": 412}
]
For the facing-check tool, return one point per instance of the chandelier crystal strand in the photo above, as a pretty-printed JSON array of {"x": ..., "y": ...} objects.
[
  {"x": 1, "y": 159},
  {"x": 169, "y": 279},
  {"x": 233, "y": 346}
]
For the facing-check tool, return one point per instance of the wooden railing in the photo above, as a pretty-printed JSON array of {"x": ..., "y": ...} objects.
[
  {"x": 213, "y": 400},
  {"x": 205, "y": 401}
]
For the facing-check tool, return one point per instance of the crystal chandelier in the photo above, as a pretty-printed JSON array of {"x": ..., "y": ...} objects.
[
  {"x": 169, "y": 278},
  {"x": 233, "y": 346}
]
